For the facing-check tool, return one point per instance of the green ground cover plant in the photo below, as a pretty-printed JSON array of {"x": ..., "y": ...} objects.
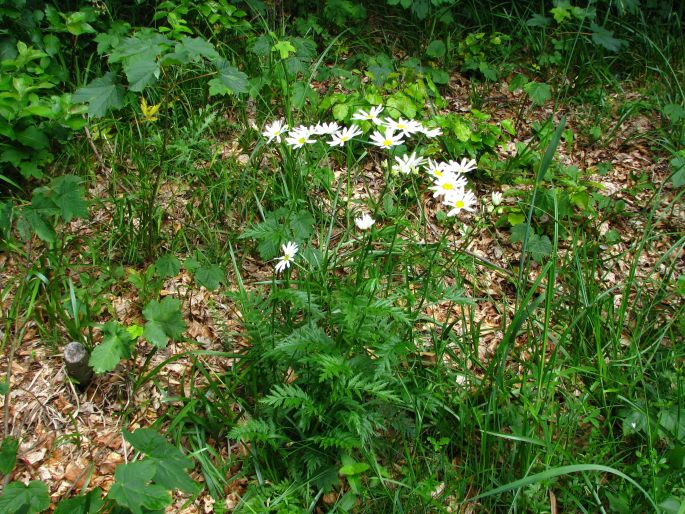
[{"x": 388, "y": 256}]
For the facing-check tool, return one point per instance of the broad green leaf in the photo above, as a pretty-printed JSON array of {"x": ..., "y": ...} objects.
[
  {"x": 68, "y": 197},
  {"x": 101, "y": 95},
  {"x": 340, "y": 112},
  {"x": 90, "y": 503},
  {"x": 436, "y": 48},
  {"x": 353, "y": 469},
  {"x": 8, "y": 454},
  {"x": 42, "y": 228},
  {"x": 132, "y": 487},
  {"x": 141, "y": 71},
  {"x": 605, "y": 38},
  {"x": 33, "y": 137},
  {"x": 284, "y": 49},
  {"x": 539, "y": 247},
  {"x": 400, "y": 104},
  {"x": 171, "y": 462},
  {"x": 115, "y": 345},
  {"x": 4, "y": 388},
  {"x": 678, "y": 165},
  {"x": 210, "y": 276},
  {"x": 674, "y": 112},
  {"x": 518, "y": 230},
  {"x": 168, "y": 265},
  {"x": 77, "y": 23},
  {"x": 164, "y": 321},
  {"x": 191, "y": 49},
  {"x": 538, "y": 92},
  {"x": 230, "y": 80},
  {"x": 301, "y": 225},
  {"x": 27, "y": 499}
]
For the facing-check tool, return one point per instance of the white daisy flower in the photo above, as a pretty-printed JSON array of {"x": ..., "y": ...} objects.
[
  {"x": 289, "y": 251},
  {"x": 496, "y": 198},
  {"x": 365, "y": 222},
  {"x": 299, "y": 136},
  {"x": 434, "y": 132},
  {"x": 436, "y": 169},
  {"x": 322, "y": 129},
  {"x": 404, "y": 127},
  {"x": 447, "y": 185},
  {"x": 387, "y": 140},
  {"x": 462, "y": 200},
  {"x": 461, "y": 167},
  {"x": 407, "y": 163},
  {"x": 371, "y": 115},
  {"x": 275, "y": 130},
  {"x": 343, "y": 135}
]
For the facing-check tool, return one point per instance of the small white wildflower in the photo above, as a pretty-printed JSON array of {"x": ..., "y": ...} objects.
[
  {"x": 436, "y": 169},
  {"x": 275, "y": 130},
  {"x": 496, "y": 198},
  {"x": 461, "y": 200},
  {"x": 365, "y": 222},
  {"x": 289, "y": 251},
  {"x": 371, "y": 115},
  {"x": 434, "y": 132},
  {"x": 404, "y": 127},
  {"x": 299, "y": 136},
  {"x": 322, "y": 129},
  {"x": 407, "y": 163},
  {"x": 461, "y": 167},
  {"x": 387, "y": 140},
  {"x": 447, "y": 184},
  {"x": 343, "y": 135}
]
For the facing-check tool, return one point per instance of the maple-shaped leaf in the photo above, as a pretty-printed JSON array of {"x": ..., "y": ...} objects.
[
  {"x": 171, "y": 462},
  {"x": 538, "y": 92},
  {"x": 605, "y": 38},
  {"x": 101, "y": 95},
  {"x": 68, "y": 197},
  {"x": 28, "y": 499},
  {"x": 115, "y": 345},
  {"x": 132, "y": 487},
  {"x": 230, "y": 80},
  {"x": 168, "y": 265},
  {"x": 164, "y": 321},
  {"x": 539, "y": 247},
  {"x": 210, "y": 276}
]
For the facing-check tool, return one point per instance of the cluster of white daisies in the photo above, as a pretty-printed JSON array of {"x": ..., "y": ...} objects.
[{"x": 449, "y": 181}]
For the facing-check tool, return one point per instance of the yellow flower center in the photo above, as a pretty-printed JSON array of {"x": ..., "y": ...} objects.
[
  {"x": 286, "y": 257},
  {"x": 437, "y": 173},
  {"x": 401, "y": 126},
  {"x": 448, "y": 186},
  {"x": 459, "y": 204},
  {"x": 301, "y": 140},
  {"x": 344, "y": 138},
  {"x": 387, "y": 142}
]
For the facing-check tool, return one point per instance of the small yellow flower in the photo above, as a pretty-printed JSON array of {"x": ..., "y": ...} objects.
[{"x": 149, "y": 111}]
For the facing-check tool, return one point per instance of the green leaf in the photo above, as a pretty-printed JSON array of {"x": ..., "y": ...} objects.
[
  {"x": 164, "y": 321},
  {"x": 90, "y": 503},
  {"x": 101, "y": 95},
  {"x": 8, "y": 454},
  {"x": 538, "y": 92},
  {"x": 284, "y": 49},
  {"x": 210, "y": 276},
  {"x": 674, "y": 112},
  {"x": 301, "y": 225},
  {"x": 340, "y": 112},
  {"x": 168, "y": 265},
  {"x": 678, "y": 165},
  {"x": 171, "y": 462},
  {"x": 115, "y": 345},
  {"x": 399, "y": 103},
  {"x": 67, "y": 195},
  {"x": 539, "y": 247},
  {"x": 353, "y": 469},
  {"x": 27, "y": 499},
  {"x": 436, "y": 49},
  {"x": 141, "y": 71},
  {"x": 4, "y": 388},
  {"x": 197, "y": 47},
  {"x": 605, "y": 38},
  {"x": 132, "y": 487},
  {"x": 230, "y": 80},
  {"x": 33, "y": 137}
]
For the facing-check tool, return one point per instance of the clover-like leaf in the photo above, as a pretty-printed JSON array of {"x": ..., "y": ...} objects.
[
  {"x": 164, "y": 321},
  {"x": 90, "y": 503}
]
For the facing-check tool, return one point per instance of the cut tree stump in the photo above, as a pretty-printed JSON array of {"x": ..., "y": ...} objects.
[{"x": 76, "y": 359}]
